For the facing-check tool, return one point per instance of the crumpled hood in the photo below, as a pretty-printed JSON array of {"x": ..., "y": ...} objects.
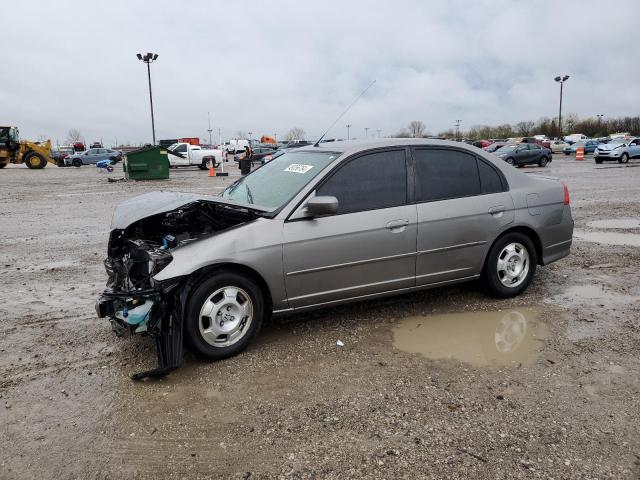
[
  {"x": 153, "y": 203},
  {"x": 606, "y": 147}
]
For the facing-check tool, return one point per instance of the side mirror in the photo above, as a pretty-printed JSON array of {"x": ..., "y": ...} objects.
[{"x": 323, "y": 205}]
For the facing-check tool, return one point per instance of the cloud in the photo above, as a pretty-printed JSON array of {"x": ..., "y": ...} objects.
[{"x": 266, "y": 67}]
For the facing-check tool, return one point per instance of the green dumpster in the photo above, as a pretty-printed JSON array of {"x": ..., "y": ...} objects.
[{"x": 147, "y": 163}]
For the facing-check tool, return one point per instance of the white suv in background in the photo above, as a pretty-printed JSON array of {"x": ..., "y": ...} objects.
[{"x": 618, "y": 149}]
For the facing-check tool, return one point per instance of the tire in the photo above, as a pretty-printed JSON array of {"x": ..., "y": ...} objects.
[
  {"x": 2, "y": 164},
  {"x": 213, "y": 303},
  {"x": 76, "y": 162},
  {"x": 34, "y": 160},
  {"x": 624, "y": 158},
  {"x": 543, "y": 162},
  {"x": 203, "y": 165},
  {"x": 497, "y": 275},
  {"x": 598, "y": 161},
  {"x": 510, "y": 161},
  {"x": 109, "y": 168}
]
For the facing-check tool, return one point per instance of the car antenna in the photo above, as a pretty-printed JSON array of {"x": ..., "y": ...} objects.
[{"x": 343, "y": 113}]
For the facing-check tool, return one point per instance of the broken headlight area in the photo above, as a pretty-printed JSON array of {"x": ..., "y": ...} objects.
[{"x": 134, "y": 301}]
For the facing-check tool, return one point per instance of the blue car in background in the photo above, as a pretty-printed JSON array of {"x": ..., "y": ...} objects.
[
  {"x": 588, "y": 145},
  {"x": 93, "y": 156}
]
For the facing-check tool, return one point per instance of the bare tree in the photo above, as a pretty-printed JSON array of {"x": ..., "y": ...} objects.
[
  {"x": 416, "y": 129},
  {"x": 295, "y": 133},
  {"x": 74, "y": 136},
  {"x": 525, "y": 128},
  {"x": 404, "y": 133}
]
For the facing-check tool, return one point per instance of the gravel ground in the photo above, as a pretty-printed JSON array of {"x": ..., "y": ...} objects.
[{"x": 296, "y": 405}]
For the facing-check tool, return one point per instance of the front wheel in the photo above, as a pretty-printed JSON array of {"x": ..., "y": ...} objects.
[
  {"x": 510, "y": 265},
  {"x": 599, "y": 161},
  {"x": 76, "y": 162},
  {"x": 35, "y": 161},
  {"x": 510, "y": 161},
  {"x": 624, "y": 158},
  {"x": 224, "y": 314}
]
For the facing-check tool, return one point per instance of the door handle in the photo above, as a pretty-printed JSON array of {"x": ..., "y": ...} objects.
[
  {"x": 397, "y": 225},
  {"x": 496, "y": 211}
]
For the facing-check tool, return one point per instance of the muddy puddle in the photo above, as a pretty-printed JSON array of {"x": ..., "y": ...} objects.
[
  {"x": 484, "y": 339},
  {"x": 609, "y": 238},
  {"x": 620, "y": 223}
]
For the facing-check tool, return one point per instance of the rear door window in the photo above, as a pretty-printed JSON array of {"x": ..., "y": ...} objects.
[
  {"x": 490, "y": 180},
  {"x": 369, "y": 182},
  {"x": 443, "y": 174}
]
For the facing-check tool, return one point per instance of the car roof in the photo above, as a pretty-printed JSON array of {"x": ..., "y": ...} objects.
[{"x": 354, "y": 146}]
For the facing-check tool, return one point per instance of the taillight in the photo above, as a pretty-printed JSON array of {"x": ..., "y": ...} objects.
[{"x": 567, "y": 200}]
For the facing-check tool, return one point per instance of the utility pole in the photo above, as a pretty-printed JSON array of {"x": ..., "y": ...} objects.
[
  {"x": 348, "y": 127},
  {"x": 379, "y": 130},
  {"x": 149, "y": 58},
  {"x": 560, "y": 80},
  {"x": 457, "y": 125},
  {"x": 366, "y": 132},
  {"x": 209, "y": 130},
  {"x": 599, "y": 115}
]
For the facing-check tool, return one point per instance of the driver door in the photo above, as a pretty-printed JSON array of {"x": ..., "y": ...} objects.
[{"x": 367, "y": 247}]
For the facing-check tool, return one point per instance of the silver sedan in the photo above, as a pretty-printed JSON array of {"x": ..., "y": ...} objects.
[{"x": 324, "y": 225}]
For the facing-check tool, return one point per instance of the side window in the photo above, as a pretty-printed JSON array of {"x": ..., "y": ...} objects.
[
  {"x": 372, "y": 181},
  {"x": 181, "y": 148},
  {"x": 445, "y": 174},
  {"x": 490, "y": 181},
  {"x": 534, "y": 147}
]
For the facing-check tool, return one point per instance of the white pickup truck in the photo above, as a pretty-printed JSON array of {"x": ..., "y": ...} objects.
[{"x": 185, "y": 154}]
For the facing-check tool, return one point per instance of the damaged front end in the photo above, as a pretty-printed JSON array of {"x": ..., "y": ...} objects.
[{"x": 139, "y": 248}]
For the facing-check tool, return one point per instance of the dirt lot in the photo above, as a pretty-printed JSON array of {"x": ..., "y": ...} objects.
[{"x": 441, "y": 384}]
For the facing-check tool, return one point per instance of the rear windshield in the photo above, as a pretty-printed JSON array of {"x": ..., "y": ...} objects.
[{"x": 273, "y": 185}]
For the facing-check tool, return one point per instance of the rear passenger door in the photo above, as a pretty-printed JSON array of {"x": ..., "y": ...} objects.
[{"x": 463, "y": 203}]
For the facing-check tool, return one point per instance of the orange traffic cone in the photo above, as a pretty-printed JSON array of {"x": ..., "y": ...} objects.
[
  {"x": 212, "y": 172},
  {"x": 580, "y": 153}
]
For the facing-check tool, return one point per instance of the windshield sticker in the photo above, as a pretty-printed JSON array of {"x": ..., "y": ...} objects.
[{"x": 298, "y": 168}]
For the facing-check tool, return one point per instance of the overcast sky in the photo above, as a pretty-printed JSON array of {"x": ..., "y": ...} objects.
[{"x": 265, "y": 67}]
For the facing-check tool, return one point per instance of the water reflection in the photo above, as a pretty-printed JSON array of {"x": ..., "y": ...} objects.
[{"x": 480, "y": 338}]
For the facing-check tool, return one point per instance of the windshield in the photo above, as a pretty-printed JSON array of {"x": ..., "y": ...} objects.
[
  {"x": 506, "y": 148},
  {"x": 581, "y": 143},
  {"x": 278, "y": 181},
  {"x": 617, "y": 141}
]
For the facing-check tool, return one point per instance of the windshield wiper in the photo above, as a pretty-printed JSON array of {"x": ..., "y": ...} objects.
[{"x": 249, "y": 196}]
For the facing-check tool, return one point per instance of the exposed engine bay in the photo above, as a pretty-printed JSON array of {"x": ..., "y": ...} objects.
[{"x": 136, "y": 303}]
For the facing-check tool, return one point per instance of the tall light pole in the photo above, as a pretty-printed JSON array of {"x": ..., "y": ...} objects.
[
  {"x": 599, "y": 115},
  {"x": 348, "y": 127},
  {"x": 209, "y": 130},
  {"x": 149, "y": 58},
  {"x": 379, "y": 130},
  {"x": 560, "y": 80},
  {"x": 457, "y": 125},
  {"x": 250, "y": 133},
  {"x": 366, "y": 132}
]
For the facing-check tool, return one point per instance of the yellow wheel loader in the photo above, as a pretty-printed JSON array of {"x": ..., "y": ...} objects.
[{"x": 12, "y": 150}]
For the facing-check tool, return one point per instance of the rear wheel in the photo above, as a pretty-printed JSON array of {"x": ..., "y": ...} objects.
[
  {"x": 510, "y": 265},
  {"x": 510, "y": 161},
  {"x": 34, "y": 160},
  {"x": 224, "y": 314},
  {"x": 624, "y": 158},
  {"x": 543, "y": 162}
]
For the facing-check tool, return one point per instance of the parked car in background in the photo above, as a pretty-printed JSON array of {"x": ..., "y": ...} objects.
[
  {"x": 618, "y": 149},
  {"x": 184, "y": 154},
  {"x": 575, "y": 137},
  {"x": 538, "y": 141},
  {"x": 322, "y": 226},
  {"x": 588, "y": 145},
  {"x": 60, "y": 153},
  {"x": 557, "y": 146},
  {"x": 259, "y": 153},
  {"x": 237, "y": 145},
  {"x": 521, "y": 154},
  {"x": 495, "y": 146},
  {"x": 93, "y": 156}
]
